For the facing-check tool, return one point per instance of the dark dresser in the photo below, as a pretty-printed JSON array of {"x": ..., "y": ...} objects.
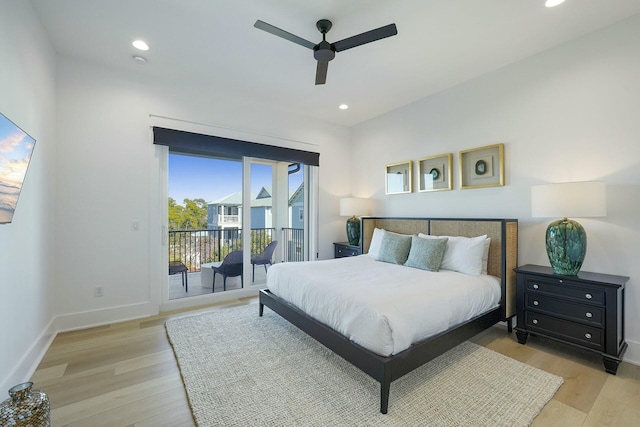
[
  {"x": 344, "y": 249},
  {"x": 586, "y": 310}
]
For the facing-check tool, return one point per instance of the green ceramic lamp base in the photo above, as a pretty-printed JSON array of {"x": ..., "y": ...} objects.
[
  {"x": 566, "y": 246},
  {"x": 353, "y": 230}
]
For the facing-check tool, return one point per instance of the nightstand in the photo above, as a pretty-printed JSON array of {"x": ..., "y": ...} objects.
[
  {"x": 344, "y": 249},
  {"x": 586, "y": 311}
]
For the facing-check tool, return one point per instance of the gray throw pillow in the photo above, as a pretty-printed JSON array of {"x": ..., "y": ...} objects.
[
  {"x": 394, "y": 248},
  {"x": 426, "y": 254}
]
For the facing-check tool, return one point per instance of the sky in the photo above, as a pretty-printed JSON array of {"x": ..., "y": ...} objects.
[{"x": 193, "y": 177}]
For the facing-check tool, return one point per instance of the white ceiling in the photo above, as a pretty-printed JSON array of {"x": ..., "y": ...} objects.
[{"x": 212, "y": 44}]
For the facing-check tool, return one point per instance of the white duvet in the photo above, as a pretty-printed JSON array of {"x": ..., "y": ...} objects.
[{"x": 380, "y": 306}]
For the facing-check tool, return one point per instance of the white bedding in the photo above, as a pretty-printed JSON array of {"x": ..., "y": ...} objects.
[{"x": 380, "y": 306}]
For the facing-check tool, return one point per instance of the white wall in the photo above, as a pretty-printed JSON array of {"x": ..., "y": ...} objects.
[
  {"x": 109, "y": 176},
  {"x": 568, "y": 114},
  {"x": 27, "y": 91}
]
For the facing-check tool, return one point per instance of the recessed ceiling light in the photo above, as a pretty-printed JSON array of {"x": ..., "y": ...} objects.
[
  {"x": 343, "y": 106},
  {"x": 139, "y": 44},
  {"x": 139, "y": 59},
  {"x": 553, "y": 3}
]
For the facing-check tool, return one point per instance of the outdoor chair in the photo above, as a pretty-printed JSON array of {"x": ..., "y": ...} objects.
[
  {"x": 177, "y": 267},
  {"x": 263, "y": 258},
  {"x": 231, "y": 267}
]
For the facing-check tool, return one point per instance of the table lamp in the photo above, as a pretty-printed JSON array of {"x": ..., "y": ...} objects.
[
  {"x": 354, "y": 208},
  {"x": 565, "y": 238}
]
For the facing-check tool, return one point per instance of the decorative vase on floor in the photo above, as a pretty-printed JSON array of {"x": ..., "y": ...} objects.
[{"x": 25, "y": 408}]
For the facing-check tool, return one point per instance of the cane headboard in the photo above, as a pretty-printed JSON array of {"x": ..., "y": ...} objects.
[{"x": 503, "y": 251}]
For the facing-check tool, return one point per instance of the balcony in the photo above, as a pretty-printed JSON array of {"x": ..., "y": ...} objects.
[
  {"x": 196, "y": 247},
  {"x": 228, "y": 219}
]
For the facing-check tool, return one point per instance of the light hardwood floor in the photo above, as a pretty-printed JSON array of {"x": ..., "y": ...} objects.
[{"x": 125, "y": 374}]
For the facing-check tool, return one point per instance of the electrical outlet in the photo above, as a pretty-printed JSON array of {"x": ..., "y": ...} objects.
[
  {"x": 135, "y": 226},
  {"x": 98, "y": 292}
]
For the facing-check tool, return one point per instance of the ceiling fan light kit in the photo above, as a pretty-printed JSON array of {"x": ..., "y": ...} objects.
[
  {"x": 324, "y": 51},
  {"x": 553, "y": 3}
]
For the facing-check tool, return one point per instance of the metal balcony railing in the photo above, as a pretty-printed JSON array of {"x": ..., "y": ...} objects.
[
  {"x": 196, "y": 247},
  {"x": 293, "y": 239}
]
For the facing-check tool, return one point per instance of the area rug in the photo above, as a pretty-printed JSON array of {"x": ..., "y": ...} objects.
[{"x": 242, "y": 369}]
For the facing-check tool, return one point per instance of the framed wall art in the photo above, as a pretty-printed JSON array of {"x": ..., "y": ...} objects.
[
  {"x": 398, "y": 178},
  {"x": 434, "y": 173},
  {"x": 482, "y": 167},
  {"x": 16, "y": 148}
]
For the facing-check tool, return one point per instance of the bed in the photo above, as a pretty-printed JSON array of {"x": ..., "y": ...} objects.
[{"x": 386, "y": 361}]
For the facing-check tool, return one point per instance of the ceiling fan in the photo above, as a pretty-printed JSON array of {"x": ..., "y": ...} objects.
[{"x": 324, "y": 51}]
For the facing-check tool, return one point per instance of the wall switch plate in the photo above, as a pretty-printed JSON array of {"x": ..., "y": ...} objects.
[
  {"x": 98, "y": 292},
  {"x": 135, "y": 226}
]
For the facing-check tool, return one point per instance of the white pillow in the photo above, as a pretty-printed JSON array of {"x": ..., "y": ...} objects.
[
  {"x": 485, "y": 255},
  {"x": 463, "y": 254},
  {"x": 376, "y": 243}
]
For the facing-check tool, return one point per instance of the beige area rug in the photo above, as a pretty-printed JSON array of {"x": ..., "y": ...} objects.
[{"x": 242, "y": 369}]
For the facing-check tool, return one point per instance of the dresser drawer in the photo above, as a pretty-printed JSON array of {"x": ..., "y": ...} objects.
[
  {"x": 587, "y": 336},
  {"x": 585, "y": 313},
  {"x": 342, "y": 250},
  {"x": 565, "y": 289}
]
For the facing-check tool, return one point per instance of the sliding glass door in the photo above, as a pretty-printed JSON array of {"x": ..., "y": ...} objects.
[
  {"x": 230, "y": 219},
  {"x": 205, "y": 209}
]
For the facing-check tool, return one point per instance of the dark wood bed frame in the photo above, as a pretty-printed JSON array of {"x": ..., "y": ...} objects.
[{"x": 502, "y": 261}]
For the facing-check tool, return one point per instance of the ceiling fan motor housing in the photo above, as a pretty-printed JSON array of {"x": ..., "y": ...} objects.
[{"x": 324, "y": 52}]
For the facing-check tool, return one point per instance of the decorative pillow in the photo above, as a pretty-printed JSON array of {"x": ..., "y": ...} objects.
[
  {"x": 376, "y": 242},
  {"x": 394, "y": 248},
  {"x": 463, "y": 254},
  {"x": 426, "y": 254}
]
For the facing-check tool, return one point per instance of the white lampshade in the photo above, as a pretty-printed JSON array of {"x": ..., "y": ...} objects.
[
  {"x": 569, "y": 200},
  {"x": 354, "y": 206}
]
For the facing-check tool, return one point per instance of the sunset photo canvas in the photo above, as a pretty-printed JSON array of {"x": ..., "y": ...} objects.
[{"x": 16, "y": 147}]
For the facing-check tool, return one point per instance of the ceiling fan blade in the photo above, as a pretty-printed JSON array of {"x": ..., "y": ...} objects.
[
  {"x": 284, "y": 34},
  {"x": 321, "y": 72},
  {"x": 367, "y": 37}
]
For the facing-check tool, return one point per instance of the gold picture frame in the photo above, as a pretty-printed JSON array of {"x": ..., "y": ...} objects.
[
  {"x": 482, "y": 167},
  {"x": 398, "y": 178},
  {"x": 435, "y": 173}
]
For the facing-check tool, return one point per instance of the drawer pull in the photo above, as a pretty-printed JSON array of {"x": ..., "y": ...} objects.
[
  {"x": 589, "y": 315},
  {"x": 535, "y": 321},
  {"x": 587, "y": 336},
  {"x": 536, "y": 303},
  {"x": 535, "y": 286},
  {"x": 588, "y": 296}
]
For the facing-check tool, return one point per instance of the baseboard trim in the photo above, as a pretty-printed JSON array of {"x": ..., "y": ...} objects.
[
  {"x": 29, "y": 362},
  {"x": 632, "y": 355},
  {"x": 93, "y": 318}
]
